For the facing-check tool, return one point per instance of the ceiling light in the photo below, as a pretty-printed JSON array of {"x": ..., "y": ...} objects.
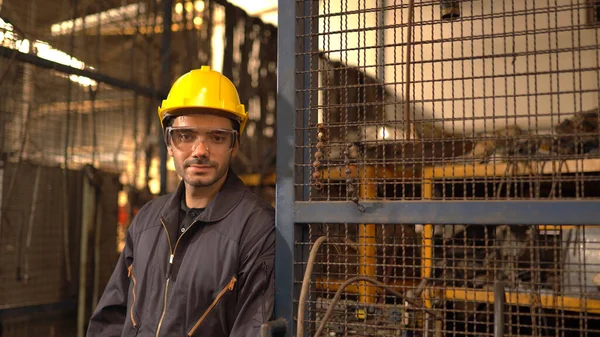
[
  {"x": 179, "y": 8},
  {"x": 199, "y": 6}
]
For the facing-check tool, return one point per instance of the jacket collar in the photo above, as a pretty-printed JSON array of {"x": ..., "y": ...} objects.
[{"x": 220, "y": 206}]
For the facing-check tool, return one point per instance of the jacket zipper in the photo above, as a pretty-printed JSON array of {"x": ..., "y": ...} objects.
[
  {"x": 170, "y": 266},
  {"x": 227, "y": 288},
  {"x": 162, "y": 316},
  {"x": 130, "y": 274}
]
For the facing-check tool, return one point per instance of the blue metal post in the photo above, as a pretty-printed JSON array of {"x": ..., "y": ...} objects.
[
  {"x": 307, "y": 46},
  {"x": 286, "y": 105}
]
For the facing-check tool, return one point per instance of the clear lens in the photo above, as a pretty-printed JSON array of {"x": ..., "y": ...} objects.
[{"x": 186, "y": 139}]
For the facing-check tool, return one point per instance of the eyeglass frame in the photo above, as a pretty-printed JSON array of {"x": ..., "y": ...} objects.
[{"x": 234, "y": 135}]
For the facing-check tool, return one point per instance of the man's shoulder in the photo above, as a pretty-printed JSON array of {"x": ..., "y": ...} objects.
[
  {"x": 252, "y": 216},
  {"x": 156, "y": 205},
  {"x": 150, "y": 210},
  {"x": 256, "y": 205}
]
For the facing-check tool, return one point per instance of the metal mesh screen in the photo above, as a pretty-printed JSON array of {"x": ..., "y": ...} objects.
[
  {"x": 462, "y": 281},
  {"x": 503, "y": 94},
  {"x": 59, "y": 118},
  {"x": 447, "y": 101},
  {"x": 39, "y": 242},
  {"x": 54, "y": 117}
]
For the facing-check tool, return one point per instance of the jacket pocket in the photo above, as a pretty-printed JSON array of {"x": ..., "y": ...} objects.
[
  {"x": 228, "y": 288},
  {"x": 132, "y": 277}
]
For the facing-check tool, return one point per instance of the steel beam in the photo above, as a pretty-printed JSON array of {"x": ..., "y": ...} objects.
[
  {"x": 484, "y": 212},
  {"x": 96, "y": 76}
]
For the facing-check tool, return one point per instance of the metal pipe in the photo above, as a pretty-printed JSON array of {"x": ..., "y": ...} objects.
[
  {"x": 381, "y": 42},
  {"x": 98, "y": 77},
  {"x": 88, "y": 205},
  {"x": 411, "y": 6},
  {"x": 97, "y": 226},
  {"x": 32, "y": 211},
  {"x": 427, "y": 243},
  {"x": 366, "y": 238},
  {"x": 427, "y": 264},
  {"x": 165, "y": 62},
  {"x": 305, "y": 284},
  {"x": 499, "y": 301}
]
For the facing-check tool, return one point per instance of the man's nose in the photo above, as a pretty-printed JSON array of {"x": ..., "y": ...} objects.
[{"x": 200, "y": 149}]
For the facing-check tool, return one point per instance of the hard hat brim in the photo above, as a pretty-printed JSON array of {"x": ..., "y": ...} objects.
[{"x": 174, "y": 112}]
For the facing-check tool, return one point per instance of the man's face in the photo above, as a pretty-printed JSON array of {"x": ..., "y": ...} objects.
[{"x": 204, "y": 163}]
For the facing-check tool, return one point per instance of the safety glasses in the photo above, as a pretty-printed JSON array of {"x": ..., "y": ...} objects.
[{"x": 188, "y": 138}]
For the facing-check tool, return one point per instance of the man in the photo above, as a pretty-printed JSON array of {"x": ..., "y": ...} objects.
[{"x": 198, "y": 262}]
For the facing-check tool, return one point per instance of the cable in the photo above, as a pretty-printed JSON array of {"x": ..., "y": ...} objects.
[
  {"x": 306, "y": 282},
  {"x": 351, "y": 280}
]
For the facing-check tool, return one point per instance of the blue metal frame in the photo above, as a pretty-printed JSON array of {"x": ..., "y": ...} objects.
[
  {"x": 292, "y": 210},
  {"x": 286, "y": 105},
  {"x": 492, "y": 212}
]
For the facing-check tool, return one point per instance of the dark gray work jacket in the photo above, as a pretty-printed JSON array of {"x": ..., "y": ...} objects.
[{"x": 215, "y": 279}]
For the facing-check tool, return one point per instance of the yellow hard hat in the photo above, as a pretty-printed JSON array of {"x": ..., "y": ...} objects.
[{"x": 203, "y": 88}]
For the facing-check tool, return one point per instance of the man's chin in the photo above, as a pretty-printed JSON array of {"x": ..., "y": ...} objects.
[{"x": 205, "y": 182}]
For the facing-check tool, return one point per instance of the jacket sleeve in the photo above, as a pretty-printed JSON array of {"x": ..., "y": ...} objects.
[
  {"x": 110, "y": 314},
  {"x": 255, "y": 298}
]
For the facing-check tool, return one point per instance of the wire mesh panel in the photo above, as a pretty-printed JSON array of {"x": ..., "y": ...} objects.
[
  {"x": 51, "y": 114},
  {"x": 500, "y": 93},
  {"x": 462, "y": 281},
  {"x": 388, "y": 253},
  {"x": 530, "y": 280},
  {"x": 446, "y": 102},
  {"x": 39, "y": 258}
]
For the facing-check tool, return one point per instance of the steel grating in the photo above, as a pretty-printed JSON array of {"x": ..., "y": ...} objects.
[
  {"x": 446, "y": 275},
  {"x": 502, "y": 101},
  {"x": 465, "y": 104}
]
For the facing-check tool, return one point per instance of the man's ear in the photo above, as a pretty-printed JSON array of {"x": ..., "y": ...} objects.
[{"x": 169, "y": 151}]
